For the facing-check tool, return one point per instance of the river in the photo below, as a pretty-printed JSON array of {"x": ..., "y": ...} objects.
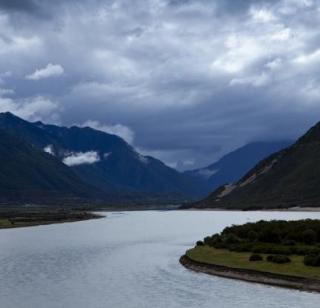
[{"x": 129, "y": 260}]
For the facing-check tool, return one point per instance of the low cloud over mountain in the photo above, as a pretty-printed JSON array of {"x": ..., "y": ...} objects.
[{"x": 81, "y": 158}]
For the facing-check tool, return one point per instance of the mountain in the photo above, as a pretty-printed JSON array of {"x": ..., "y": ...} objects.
[
  {"x": 28, "y": 175},
  {"x": 104, "y": 160},
  {"x": 233, "y": 166},
  {"x": 288, "y": 178}
]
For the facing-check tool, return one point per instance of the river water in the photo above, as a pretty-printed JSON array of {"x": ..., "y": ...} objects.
[{"x": 129, "y": 259}]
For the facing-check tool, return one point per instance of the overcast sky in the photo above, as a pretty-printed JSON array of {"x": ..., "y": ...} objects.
[{"x": 183, "y": 80}]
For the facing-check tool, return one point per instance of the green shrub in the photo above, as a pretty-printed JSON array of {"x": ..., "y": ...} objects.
[
  {"x": 208, "y": 241},
  {"x": 220, "y": 245},
  {"x": 277, "y": 237},
  {"x": 270, "y": 234},
  {"x": 309, "y": 236},
  {"x": 212, "y": 240},
  {"x": 255, "y": 257},
  {"x": 271, "y": 249},
  {"x": 289, "y": 242},
  {"x": 312, "y": 260},
  {"x": 231, "y": 239},
  {"x": 252, "y": 235},
  {"x": 303, "y": 250},
  {"x": 277, "y": 231},
  {"x": 200, "y": 243},
  {"x": 279, "y": 259}
]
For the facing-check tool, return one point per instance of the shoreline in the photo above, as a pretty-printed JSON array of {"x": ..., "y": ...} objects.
[
  {"x": 24, "y": 219},
  {"x": 292, "y": 209},
  {"x": 253, "y": 276}
]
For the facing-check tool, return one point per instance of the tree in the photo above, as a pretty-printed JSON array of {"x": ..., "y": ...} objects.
[
  {"x": 309, "y": 236},
  {"x": 252, "y": 235}
]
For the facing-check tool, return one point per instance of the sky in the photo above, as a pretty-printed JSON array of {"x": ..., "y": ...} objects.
[{"x": 185, "y": 81}]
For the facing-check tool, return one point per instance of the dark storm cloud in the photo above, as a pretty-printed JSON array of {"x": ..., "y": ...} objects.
[
  {"x": 40, "y": 9},
  {"x": 34, "y": 8},
  {"x": 226, "y": 6},
  {"x": 184, "y": 80},
  {"x": 19, "y": 5}
]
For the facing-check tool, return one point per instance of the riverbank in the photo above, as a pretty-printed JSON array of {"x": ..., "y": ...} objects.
[
  {"x": 18, "y": 218},
  {"x": 285, "y": 281},
  {"x": 234, "y": 265},
  {"x": 290, "y": 209}
]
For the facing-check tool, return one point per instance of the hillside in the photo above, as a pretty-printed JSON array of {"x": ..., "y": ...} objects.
[
  {"x": 288, "y": 178},
  {"x": 30, "y": 175},
  {"x": 105, "y": 161},
  {"x": 233, "y": 166}
]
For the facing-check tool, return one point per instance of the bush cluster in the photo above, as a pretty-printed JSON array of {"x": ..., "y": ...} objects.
[
  {"x": 278, "y": 231},
  {"x": 312, "y": 260},
  {"x": 200, "y": 243},
  {"x": 279, "y": 259},
  {"x": 276, "y": 237}
]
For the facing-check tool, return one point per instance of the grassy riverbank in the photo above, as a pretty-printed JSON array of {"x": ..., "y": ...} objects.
[
  {"x": 278, "y": 252},
  {"x": 15, "y": 218},
  {"x": 210, "y": 255}
]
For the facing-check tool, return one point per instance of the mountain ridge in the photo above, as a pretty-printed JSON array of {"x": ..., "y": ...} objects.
[
  {"x": 30, "y": 175},
  {"x": 288, "y": 178},
  {"x": 235, "y": 164},
  {"x": 114, "y": 165}
]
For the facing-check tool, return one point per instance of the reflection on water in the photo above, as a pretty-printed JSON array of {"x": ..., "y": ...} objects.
[{"x": 129, "y": 260}]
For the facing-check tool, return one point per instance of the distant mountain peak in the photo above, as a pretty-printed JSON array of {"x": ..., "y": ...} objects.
[{"x": 8, "y": 115}]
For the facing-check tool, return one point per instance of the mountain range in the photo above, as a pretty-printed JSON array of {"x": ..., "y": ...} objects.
[
  {"x": 287, "y": 178},
  {"x": 43, "y": 163},
  {"x": 105, "y": 162}
]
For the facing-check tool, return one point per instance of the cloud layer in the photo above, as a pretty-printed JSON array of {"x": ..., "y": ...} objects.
[
  {"x": 185, "y": 81},
  {"x": 51, "y": 70},
  {"x": 81, "y": 158}
]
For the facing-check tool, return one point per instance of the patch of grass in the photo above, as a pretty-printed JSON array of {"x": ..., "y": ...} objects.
[
  {"x": 5, "y": 223},
  {"x": 231, "y": 259}
]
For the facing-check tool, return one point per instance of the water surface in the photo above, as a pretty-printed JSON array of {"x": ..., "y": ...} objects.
[{"x": 129, "y": 259}]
